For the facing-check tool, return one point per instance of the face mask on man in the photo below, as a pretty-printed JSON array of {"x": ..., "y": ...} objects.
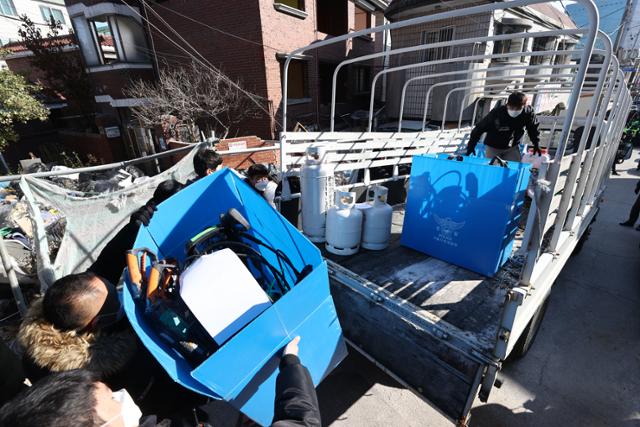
[
  {"x": 514, "y": 113},
  {"x": 262, "y": 184},
  {"x": 129, "y": 412}
]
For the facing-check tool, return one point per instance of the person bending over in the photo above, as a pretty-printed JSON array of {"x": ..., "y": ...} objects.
[{"x": 505, "y": 126}]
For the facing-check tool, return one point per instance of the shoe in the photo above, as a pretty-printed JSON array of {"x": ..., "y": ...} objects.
[
  {"x": 638, "y": 228},
  {"x": 627, "y": 224},
  {"x": 615, "y": 173}
]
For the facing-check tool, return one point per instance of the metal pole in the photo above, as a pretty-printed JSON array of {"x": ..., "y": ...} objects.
[
  {"x": 104, "y": 167},
  {"x": 13, "y": 279},
  {"x": 544, "y": 201},
  {"x": 448, "y": 73},
  {"x": 575, "y": 167},
  {"x": 601, "y": 138}
]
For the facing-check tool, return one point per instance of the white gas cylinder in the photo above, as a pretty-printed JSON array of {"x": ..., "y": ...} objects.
[
  {"x": 316, "y": 192},
  {"x": 344, "y": 225},
  {"x": 376, "y": 230}
]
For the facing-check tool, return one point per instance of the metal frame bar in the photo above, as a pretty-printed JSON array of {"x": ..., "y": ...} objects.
[
  {"x": 446, "y": 102},
  {"x": 487, "y": 70},
  {"x": 500, "y": 95},
  {"x": 575, "y": 167}
]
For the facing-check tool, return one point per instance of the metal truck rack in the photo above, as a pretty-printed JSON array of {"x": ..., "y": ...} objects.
[{"x": 438, "y": 329}]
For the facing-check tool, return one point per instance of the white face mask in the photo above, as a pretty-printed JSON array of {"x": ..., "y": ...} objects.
[
  {"x": 515, "y": 113},
  {"x": 130, "y": 412},
  {"x": 262, "y": 184}
]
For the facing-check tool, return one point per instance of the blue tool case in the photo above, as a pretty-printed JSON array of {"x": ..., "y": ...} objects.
[{"x": 464, "y": 210}]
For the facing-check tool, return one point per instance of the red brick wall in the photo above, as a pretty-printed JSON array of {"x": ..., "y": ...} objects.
[
  {"x": 239, "y": 161},
  {"x": 241, "y": 59}
]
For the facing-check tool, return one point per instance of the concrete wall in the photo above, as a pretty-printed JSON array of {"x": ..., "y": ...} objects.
[{"x": 9, "y": 25}]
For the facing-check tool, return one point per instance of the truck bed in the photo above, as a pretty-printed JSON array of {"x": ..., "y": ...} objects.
[
  {"x": 465, "y": 300},
  {"x": 430, "y": 324}
]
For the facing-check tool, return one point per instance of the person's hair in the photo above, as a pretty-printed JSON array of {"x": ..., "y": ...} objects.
[
  {"x": 60, "y": 301},
  {"x": 59, "y": 400},
  {"x": 206, "y": 158},
  {"x": 165, "y": 190},
  {"x": 257, "y": 170},
  {"x": 516, "y": 99}
]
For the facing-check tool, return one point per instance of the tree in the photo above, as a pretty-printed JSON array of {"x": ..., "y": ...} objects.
[
  {"x": 17, "y": 105},
  {"x": 63, "y": 69},
  {"x": 192, "y": 95}
]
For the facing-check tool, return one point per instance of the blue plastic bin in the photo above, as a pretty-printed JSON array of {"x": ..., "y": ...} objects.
[
  {"x": 243, "y": 371},
  {"x": 464, "y": 212}
]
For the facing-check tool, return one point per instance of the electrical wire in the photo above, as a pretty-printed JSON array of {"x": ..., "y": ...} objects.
[
  {"x": 204, "y": 63},
  {"x": 235, "y": 36}
]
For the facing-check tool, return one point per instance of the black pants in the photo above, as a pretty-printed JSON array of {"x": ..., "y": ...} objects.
[{"x": 635, "y": 211}]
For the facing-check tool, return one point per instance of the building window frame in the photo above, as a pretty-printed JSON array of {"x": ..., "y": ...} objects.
[
  {"x": 445, "y": 34},
  {"x": 47, "y": 13},
  {"x": 304, "y": 95},
  {"x": 7, "y": 8},
  {"x": 294, "y": 8}
]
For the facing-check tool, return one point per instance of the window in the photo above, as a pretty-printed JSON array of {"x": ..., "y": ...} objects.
[
  {"x": 362, "y": 80},
  {"x": 297, "y": 80},
  {"x": 118, "y": 38},
  {"x": 363, "y": 19},
  {"x": 332, "y": 17},
  {"x": 103, "y": 39},
  {"x": 296, "y": 4},
  {"x": 49, "y": 13},
  {"x": 7, "y": 8},
  {"x": 437, "y": 53},
  {"x": 509, "y": 45}
]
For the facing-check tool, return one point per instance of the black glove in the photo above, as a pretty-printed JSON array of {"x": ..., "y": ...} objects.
[
  {"x": 536, "y": 150},
  {"x": 143, "y": 215}
]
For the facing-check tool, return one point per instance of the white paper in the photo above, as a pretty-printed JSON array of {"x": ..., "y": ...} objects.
[{"x": 222, "y": 294}]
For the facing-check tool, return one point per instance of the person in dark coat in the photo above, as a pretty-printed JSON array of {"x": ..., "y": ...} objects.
[
  {"x": 77, "y": 398},
  {"x": 296, "y": 400},
  {"x": 12, "y": 377},
  {"x": 505, "y": 126},
  {"x": 634, "y": 214}
]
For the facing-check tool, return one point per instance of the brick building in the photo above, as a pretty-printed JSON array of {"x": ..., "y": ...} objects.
[{"x": 245, "y": 39}]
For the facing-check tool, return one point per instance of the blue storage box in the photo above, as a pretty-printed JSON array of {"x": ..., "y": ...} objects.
[
  {"x": 243, "y": 371},
  {"x": 465, "y": 211}
]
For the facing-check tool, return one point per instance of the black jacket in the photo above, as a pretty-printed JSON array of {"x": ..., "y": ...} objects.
[
  {"x": 504, "y": 131},
  {"x": 112, "y": 258},
  {"x": 296, "y": 401}
]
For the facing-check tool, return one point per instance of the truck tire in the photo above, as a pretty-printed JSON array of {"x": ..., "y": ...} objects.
[{"x": 525, "y": 341}]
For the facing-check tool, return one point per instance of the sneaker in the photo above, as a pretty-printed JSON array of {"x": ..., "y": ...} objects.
[
  {"x": 638, "y": 228},
  {"x": 626, "y": 224}
]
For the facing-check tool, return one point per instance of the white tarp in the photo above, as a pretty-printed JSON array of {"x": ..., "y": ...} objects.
[{"x": 91, "y": 221}]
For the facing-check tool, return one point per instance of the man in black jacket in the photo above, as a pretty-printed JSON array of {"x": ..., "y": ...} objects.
[
  {"x": 505, "y": 127},
  {"x": 296, "y": 400},
  {"x": 78, "y": 398},
  {"x": 634, "y": 214}
]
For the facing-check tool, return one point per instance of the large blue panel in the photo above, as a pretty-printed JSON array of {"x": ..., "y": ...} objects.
[
  {"x": 244, "y": 369},
  {"x": 464, "y": 212}
]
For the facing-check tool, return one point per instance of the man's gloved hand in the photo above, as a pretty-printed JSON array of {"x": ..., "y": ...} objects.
[
  {"x": 536, "y": 150},
  {"x": 143, "y": 215}
]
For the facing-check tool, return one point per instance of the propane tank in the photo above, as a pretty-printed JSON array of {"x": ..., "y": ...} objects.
[
  {"x": 376, "y": 230},
  {"x": 316, "y": 188},
  {"x": 344, "y": 225}
]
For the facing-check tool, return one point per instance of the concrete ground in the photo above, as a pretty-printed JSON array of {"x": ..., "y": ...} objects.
[{"x": 583, "y": 369}]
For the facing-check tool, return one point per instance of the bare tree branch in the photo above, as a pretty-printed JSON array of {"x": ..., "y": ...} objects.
[{"x": 192, "y": 95}]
